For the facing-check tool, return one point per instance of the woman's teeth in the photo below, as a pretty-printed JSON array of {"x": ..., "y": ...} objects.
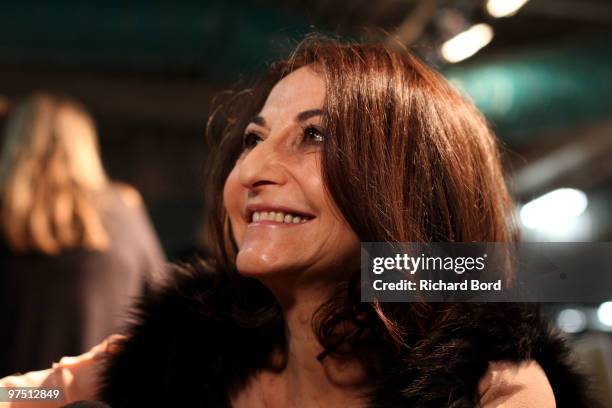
[{"x": 278, "y": 216}]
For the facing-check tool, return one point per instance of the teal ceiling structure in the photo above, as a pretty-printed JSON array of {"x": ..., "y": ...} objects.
[
  {"x": 544, "y": 89},
  {"x": 522, "y": 94}
]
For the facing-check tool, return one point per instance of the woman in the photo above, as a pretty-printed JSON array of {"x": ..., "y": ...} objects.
[
  {"x": 342, "y": 143},
  {"x": 74, "y": 247}
]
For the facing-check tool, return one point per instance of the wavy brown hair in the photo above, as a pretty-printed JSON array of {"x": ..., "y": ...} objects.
[{"x": 405, "y": 159}]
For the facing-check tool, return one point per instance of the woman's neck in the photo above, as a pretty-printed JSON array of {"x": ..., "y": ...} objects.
[{"x": 306, "y": 381}]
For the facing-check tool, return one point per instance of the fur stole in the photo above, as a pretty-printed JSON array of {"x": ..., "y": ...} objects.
[{"x": 183, "y": 350}]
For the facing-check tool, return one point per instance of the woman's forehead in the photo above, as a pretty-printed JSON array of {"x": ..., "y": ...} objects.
[{"x": 299, "y": 91}]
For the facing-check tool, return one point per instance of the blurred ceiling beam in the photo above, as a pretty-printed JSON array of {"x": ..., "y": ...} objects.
[
  {"x": 586, "y": 10},
  {"x": 124, "y": 98},
  {"x": 414, "y": 24},
  {"x": 584, "y": 163}
]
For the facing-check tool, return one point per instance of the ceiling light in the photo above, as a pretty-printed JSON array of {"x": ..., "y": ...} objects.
[
  {"x": 504, "y": 8},
  {"x": 467, "y": 43}
]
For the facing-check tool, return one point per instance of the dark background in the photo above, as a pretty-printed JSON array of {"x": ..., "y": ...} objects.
[{"x": 149, "y": 70}]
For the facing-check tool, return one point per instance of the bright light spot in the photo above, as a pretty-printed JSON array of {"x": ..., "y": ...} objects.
[
  {"x": 554, "y": 209},
  {"x": 467, "y": 43},
  {"x": 571, "y": 320},
  {"x": 604, "y": 313},
  {"x": 504, "y": 8}
]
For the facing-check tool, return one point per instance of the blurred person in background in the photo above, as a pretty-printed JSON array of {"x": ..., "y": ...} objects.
[{"x": 75, "y": 248}]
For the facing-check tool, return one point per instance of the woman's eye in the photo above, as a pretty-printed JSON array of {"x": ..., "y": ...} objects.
[
  {"x": 250, "y": 140},
  {"x": 313, "y": 135}
]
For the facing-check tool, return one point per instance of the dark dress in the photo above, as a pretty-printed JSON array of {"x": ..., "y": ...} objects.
[{"x": 55, "y": 306}]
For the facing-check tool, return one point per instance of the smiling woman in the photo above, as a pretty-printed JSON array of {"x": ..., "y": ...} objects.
[
  {"x": 277, "y": 178},
  {"x": 339, "y": 144}
]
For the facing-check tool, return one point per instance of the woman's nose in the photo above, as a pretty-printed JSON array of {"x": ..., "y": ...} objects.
[{"x": 263, "y": 165}]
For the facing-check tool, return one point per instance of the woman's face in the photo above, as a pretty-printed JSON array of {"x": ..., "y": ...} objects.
[{"x": 282, "y": 219}]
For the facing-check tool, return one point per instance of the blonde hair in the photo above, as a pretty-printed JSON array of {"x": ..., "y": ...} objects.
[{"x": 49, "y": 167}]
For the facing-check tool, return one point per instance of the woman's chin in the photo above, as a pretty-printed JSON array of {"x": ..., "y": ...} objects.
[{"x": 260, "y": 265}]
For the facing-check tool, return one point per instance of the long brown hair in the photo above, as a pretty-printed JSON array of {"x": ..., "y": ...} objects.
[
  {"x": 48, "y": 168},
  {"x": 406, "y": 159}
]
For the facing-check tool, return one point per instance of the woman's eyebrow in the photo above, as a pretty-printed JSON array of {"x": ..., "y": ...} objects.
[
  {"x": 300, "y": 117},
  {"x": 258, "y": 120},
  {"x": 307, "y": 114}
]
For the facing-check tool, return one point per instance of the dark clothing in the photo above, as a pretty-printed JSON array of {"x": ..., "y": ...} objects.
[
  {"x": 55, "y": 306},
  {"x": 188, "y": 351}
]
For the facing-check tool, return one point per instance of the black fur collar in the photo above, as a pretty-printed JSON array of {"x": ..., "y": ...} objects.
[{"x": 185, "y": 352}]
